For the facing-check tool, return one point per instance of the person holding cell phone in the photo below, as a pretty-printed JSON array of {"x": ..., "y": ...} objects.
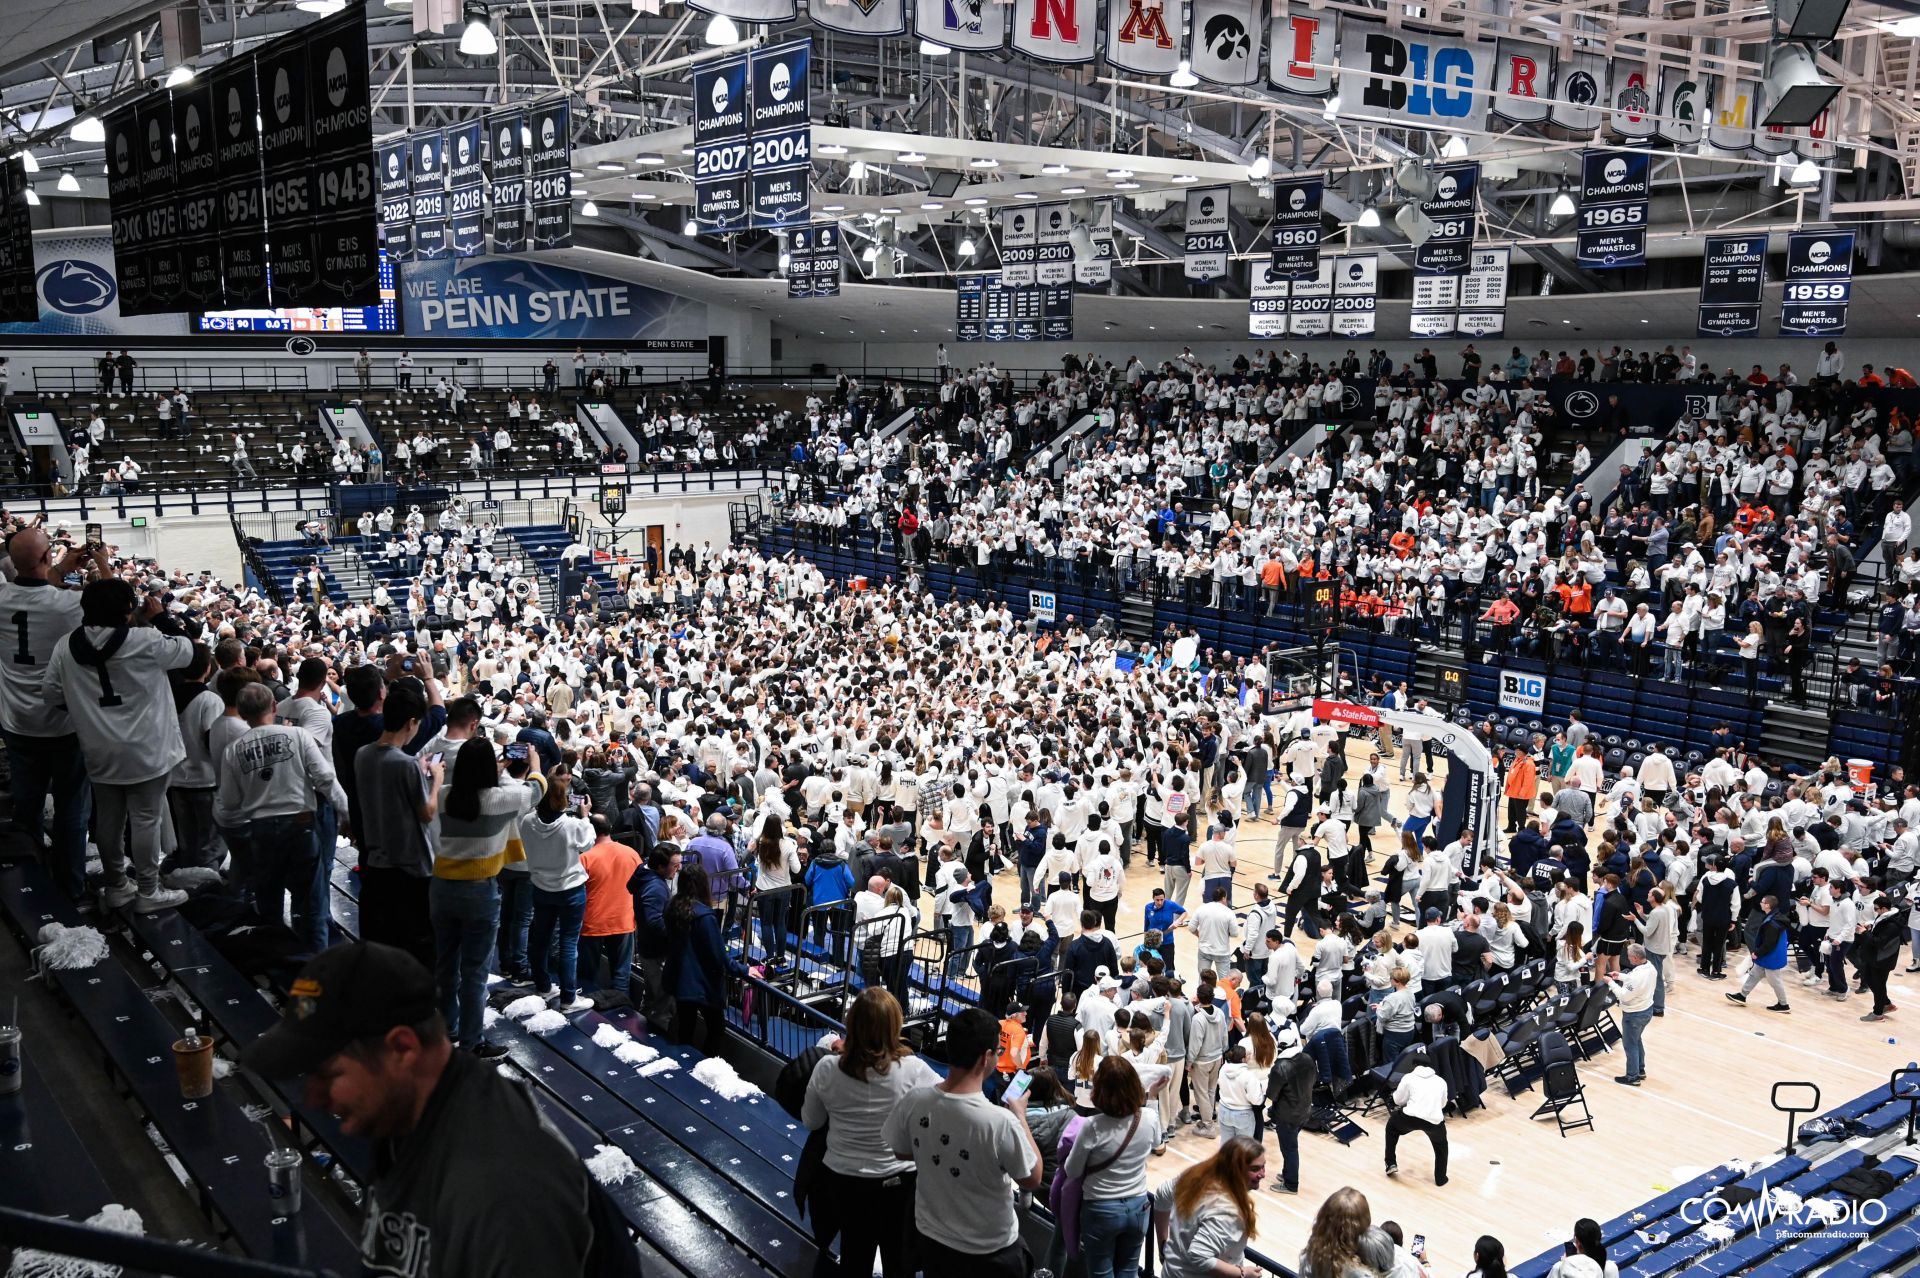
[{"x": 555, "y": 835}]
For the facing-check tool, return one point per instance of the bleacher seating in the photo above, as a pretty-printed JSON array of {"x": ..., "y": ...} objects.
[{"x": 279, "y": 558}]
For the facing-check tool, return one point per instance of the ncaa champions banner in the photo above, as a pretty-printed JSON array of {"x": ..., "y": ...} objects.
[
  {"x": 1356, "y": 293},
  {"x": 1613, "y": 209},
  {"x": 243, "y": 225},
  {"x": 154, "y": 149},
  {"x": 1267, "y": 303},
  {"x": 780, "y": 160},
  {"x": 344, "y": 217},
  {"x": 1733, "y": 277},
  {"x": 1819, "y": 284},
  {"x": 507, "y": 134},
  {"x": 720, "y": 146},
  {"x": 466, "y": 191},
  {"x": 396, "y": 198},
  {"x": 1207, "y": 242},
  {"x": 1053, "y": 248},
  {"x": 550, "y": 160},
  {"x": 1019, "y": 246},
  {"x": 429, "y": 195},
  {"x": 813, "y": 260},
  {"x": 1296, "y": 226},
  {"x": 18, "y": 303},
  {"x": 286, "y": 147},
  {"x": 196, "y": 174}
]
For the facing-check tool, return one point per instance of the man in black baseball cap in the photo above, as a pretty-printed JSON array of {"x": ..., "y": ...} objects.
[{"x": 472, "y": 1181}]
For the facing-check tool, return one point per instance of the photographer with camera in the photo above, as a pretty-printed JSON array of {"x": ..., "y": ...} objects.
[{"x": 555, "y": 834}]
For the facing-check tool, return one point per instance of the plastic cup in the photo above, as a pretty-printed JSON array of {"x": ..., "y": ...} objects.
[{"x": 193, "y": 1062}]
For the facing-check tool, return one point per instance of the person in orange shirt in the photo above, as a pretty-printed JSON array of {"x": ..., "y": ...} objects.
[
  {"x": 1503, "y": 613},
  {"x": 606, "y": 930},
  {"x": 1016, "y": 1048},
  {"x": 1870, "y": 378},
  {"x": 1273, "y": 579},
  {"x": 1523, "y": 782}
]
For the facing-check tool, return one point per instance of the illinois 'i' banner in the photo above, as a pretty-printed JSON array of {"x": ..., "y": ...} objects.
[
  {"x": 1296, "y": 226},
  {"x": 1733, "y": 278},
  {"x": 1613, "y": 209},
  {"x": 1819, "y": 284},
  {"x": 1208, "y": 243}
]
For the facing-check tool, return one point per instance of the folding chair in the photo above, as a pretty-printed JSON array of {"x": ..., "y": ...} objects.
[{"x": 1563, "y": 1095}]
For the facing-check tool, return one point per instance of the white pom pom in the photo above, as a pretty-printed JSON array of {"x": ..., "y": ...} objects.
[
  {"x": 722, "y": 1078},
  {"x": 660, "y": 1066},
  {"x": 521, "y": 1008},
  {"x": 487, "y": 1018},
  {"x": 610, "y": 1036},
  {"x": 192, "y": 878},
  {"x": 611, "y": 1166},
  {"x": 1715, "y": 1233},
  {"x": 546, "y": 1022},
  {"x": 68, "y": 949},
  {"x": 636, "y": 1053}
]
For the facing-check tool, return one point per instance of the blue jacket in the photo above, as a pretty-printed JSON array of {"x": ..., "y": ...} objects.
[
  {"x": 1033, "y": 846},
  {"x": 1770, "y": 941},
  {"x": 829, "y": 880},
  {"x": 697, "y": 963},
  {"x": 650, "y": 897}
]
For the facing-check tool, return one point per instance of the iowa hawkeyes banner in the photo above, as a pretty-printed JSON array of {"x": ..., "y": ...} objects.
[
  {"x": 1056, "y": 30},
  {"x": 1301, "y": 48},
  {"x": 1296, "y": 226},
  {"x": 1143, "y": 37},
  {"x": 466, "y": 192},
  {"x": 243, "y": 226},
  {"x": 394, "y": 160},
  {"x": 1226, "y": 41},
  {"x": 196, "y": 175},
  {"x": 861, "y": 17},
  {"x": 977, "y": 26},
  {"x": 1613, "y": 209},
  {"x": 1819, "y": 284},
  {"x": 430, "y": 240},
  {"x": 1733, "y": 278},
  {"x": 550, "y": 161},
  {"x": 1208, "y": 242},
  {"x": 507, "y": 135}
]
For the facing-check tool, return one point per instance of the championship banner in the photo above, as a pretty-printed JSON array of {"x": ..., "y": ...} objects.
[
  {"x": 1097, "y": 271},
  {"x": 1613, "y": 209},
  {"x": 800, "y": 262},
  {"x": 1296, "y": 226},
  {"x": 861, "y": 17},
  {"x": 1225, "y": 41},
  {"x": 129, "y": 214},
  {"x": 1310, "y": 303},
  {"x": 1053, "y": 252},
  {"x": 1483, "y": 294},
  {"x": 1019, "y": 247},
  {"x": 1056, "y": 30},
  {"x": 975, "y": 26},
  {"x": 1819, "y": 284},
  {"x": 344, "y": 217},
  {"x": 1207, "y": 240},
  {"x": 550, "y": 163},
  {"x": 243, "y": 227},
  {"x": 196, "y": 172},
  {"x": 287, "y": 153},
  {"x": 429, "y": 195},
  {"x": 720, "y": 127},
  {"x": 813, "y": 260},
  {"x": 1451, "y": 210},
  {"x": 1142, "y": 38},
  {"x": 19, "y": 298},
  {"x": 986, "y": 309},
  {"x": 1733, "y": 278},
  {"x": 1436, "y": 306},
  {"x": 1356, "y": 294},
  {"x": 1730, "y": 122},
  {"x": 394, "y": 160},
  {"x": 154, "y": 151},
  {"x": 507, "y": 132},
  {"x": 1632, "y": 101},
  {"x": 1301, "y": 49},
  {"x": 1267, "y": 303},
  {"x": 780, "y": 163},
  {"x": 466, "y": 191}
]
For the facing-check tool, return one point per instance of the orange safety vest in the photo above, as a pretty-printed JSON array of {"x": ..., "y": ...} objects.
[{"x": 1016, "y": 1049}]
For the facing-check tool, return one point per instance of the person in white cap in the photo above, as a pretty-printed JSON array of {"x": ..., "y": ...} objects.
[{"x": 1097, "y": 1005}]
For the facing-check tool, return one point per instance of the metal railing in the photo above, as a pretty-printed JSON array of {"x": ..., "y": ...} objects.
[{"x": 779, "y": 1022}]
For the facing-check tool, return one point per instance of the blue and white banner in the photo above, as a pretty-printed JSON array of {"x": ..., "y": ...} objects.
[
  {"x": 508, "y": 135},
  {"x": 550, "y": 162},
  {"x": 466, "y": 191},
  {"x": 1356, "y": 294},
  {"x": 986, "y": 309},
  {"x": 1451, "y": 210},
  {"x": 780, "y": 165},
  {"x": 1819, "y": 284},
  {"x": 78, "y": 294},
  {"x": 813, "y": 260},
  {"x": 1053, "y": 245},
  {"x": 722, "y": 102},
  {"x": 1483, "y": 293},
  {"x": 1733, "y": 277},
  {"x": 490, "y": 298},
  {"x": 1613, "y": 209},
  {"x": 1412, "y": 80},
  {"x": 1208, "y": 242},
  {"x": 1296, "y": 226},
  {"x": 1019, "y": 246},
  {"x": 429, "y": 180}
]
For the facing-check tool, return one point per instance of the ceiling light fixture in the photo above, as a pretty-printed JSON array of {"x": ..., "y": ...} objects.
[
  {"x": 721, "y": 31},
  {"x": 68, "y": 182},
  {"x": 691, "y": 229},
  {"x": 1369, "y": 217},
  {"x": 857, "y": 170},
  {"x": 1069, "y": 190},
  {"x": 967, "y": 247},
  {"x": 1260, "y": 167},
  {"x": 650, "y": 161},
  {"x": 325, "y": 8},
  {"x": 1332, "y": 109},
  {"x": 829, "y": 148},
  {"x": 1454, "y": 148},
  {"x": 1562, "y": 205},
  {"x": 833, "y": 208},
  {"x": 911, "y": 157},
  {"x": 611, "y": 166},
  {"x": 1054, "y": 170},
  {"x": 1183, "y": 76},
  {"x": 983, "y": 162},
  {"x": 28, "y": 163},
  {"x": 1185, "y": 179},
  {"x": 1119, "y": 173},
  {"x": 477, "y": 41},
  {"x": 976, "y": 201},
  {"x": 589, "y": 209},
  {"x": 88, "y": 129},
  {"x": 1126, "y": 186},
  {"x": 33, "y": 197},
  {"x": 932, "y": 206},
  {"x": 182, "y": 74},
  {"x": 889, "y": 210},
  {"x": 1025, "y": 195},
  {"x": 1805, "y": 173},
  {"x": 869, "y": 256}
]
